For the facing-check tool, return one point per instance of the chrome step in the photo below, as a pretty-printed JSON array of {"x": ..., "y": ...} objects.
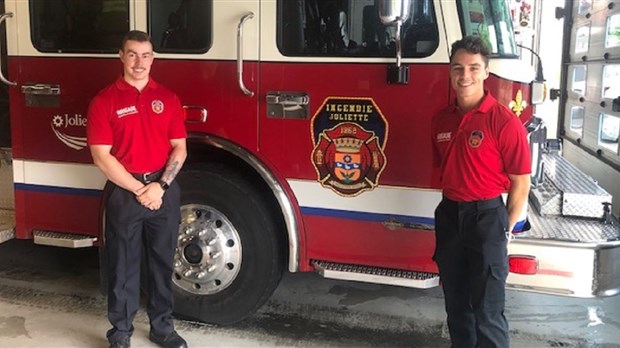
[
  {"x": 332, "y": 270},
  {"x": 64, "y": 240}
]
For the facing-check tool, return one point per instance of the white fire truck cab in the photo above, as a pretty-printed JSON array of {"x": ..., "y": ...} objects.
[{"x": 309, "y": 146}]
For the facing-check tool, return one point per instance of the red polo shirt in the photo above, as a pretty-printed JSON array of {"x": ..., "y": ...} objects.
[
  {"x": 138, "y": 125},
  {"x": 476, "y": 151}
]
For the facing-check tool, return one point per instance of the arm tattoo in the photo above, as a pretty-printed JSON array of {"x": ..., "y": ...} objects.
[{"x": 172, "y": 169}]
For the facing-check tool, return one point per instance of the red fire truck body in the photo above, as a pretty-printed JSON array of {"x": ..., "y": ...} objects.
[{"x": 314, "y": 158}]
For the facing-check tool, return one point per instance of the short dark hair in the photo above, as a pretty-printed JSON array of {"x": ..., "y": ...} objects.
[
  {"x": 474, "y": 45},
  {"x": 135, "y": 35}
]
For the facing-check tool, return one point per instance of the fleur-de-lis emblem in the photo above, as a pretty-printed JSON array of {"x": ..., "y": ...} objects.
[{"x": 518, "y": 104}]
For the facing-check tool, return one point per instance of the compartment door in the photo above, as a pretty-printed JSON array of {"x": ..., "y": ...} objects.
[
  {"x": 353, "y": 147},
  {"x": 66, "y": 51}
]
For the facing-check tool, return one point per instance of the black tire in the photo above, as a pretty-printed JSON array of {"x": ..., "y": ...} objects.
[{"x": 223, "y": 213}]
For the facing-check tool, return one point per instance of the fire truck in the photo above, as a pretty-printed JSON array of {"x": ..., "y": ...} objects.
[{"x": 309, "y": 146}]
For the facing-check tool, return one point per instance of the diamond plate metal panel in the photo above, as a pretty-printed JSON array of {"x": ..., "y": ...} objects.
[
  {"x": 546, "y": 198},
  {"x": 572, "y": 229},
  {"x": 567, "y": 191},
  {"x": 584, "y": 205},
  {"x": 568, "y": 178}
]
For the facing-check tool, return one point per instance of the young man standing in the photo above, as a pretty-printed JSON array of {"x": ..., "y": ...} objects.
[
  {"x": 481, "y": 150},
  {"x": 136, "y": 136}
]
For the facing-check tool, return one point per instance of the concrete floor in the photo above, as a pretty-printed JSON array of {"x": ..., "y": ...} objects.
[{"x": 49, "y": 298}]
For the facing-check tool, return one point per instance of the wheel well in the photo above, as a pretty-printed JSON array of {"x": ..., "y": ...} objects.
[{"x": 205, "y": 153}]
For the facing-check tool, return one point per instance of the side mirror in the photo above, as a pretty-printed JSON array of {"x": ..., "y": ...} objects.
[{"x": 395, "y": 12}]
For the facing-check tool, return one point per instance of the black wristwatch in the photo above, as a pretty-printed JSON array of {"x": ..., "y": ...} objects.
[{"x": 164, "y": 185}]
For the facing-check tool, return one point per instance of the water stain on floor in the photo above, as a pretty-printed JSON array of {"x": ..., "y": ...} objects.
[
  {"x": 354, "y": 296},
  {"x": 11, "y": 327}
]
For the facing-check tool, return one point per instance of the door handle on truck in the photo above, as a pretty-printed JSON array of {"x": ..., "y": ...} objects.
[
  {"x": 194, "y": 114},
  {"x": 288, "y": 98},
  {"x": 282, "y": 104},
  {"x": 3, "y": 17},
  {"x": 41, "y": 89},
  {"x": 41, "y": 95},
  {"x": 240, "y": 54}
]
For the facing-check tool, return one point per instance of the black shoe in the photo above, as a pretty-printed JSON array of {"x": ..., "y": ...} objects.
[
  {"x": 172, "y": 340},
  {"x": 124, "y": 342}
]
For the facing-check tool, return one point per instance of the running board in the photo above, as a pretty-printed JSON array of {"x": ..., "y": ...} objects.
[
  {"x": 368, "y": 274},
  {"x": 64, "y": 240}
]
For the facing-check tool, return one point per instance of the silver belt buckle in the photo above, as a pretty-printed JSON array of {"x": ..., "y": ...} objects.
[{"x": 145, "y": 178}]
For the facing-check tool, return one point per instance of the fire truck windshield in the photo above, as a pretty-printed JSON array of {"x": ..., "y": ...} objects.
[{"x": 489, "y": 19}]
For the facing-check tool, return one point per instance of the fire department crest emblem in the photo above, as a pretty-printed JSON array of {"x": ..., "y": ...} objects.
[
  {"x": 475, "y": 138},
  {"x": 349, "y": 138},
  {"x": 157, "y": 106}
]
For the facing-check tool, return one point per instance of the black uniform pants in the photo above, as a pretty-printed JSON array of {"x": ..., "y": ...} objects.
[
  {"x": 130, "y": 230},
  {"x": 471, "y": 253}
]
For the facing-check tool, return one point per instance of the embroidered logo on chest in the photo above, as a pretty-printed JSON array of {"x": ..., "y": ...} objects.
[
  {"x": 130, "y": 110},
  {"x": 445, "y": 136},
  {"x": 157, "y": 106},
  {"x": 475, "y": 138}
]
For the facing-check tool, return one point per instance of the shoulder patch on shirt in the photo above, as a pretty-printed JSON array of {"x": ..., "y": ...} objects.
[
  {"x": 157, "y": 106},
  {"x": 445, "y": 136},
  {"x": 475, "y": 138},
  {"x": 130, "y": 110}
]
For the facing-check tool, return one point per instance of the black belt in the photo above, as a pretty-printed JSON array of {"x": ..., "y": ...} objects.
[
  {"x": 147, "y": 178},
  {"x": 477, "y": 205}
]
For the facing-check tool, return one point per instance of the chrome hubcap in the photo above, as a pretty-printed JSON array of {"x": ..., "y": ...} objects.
[{"x": 208, "y": 255}]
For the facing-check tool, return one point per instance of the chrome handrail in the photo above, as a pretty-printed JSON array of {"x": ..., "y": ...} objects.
[
  {"x": 240, "y": 54},
  {"x": 3, "y": 17}
]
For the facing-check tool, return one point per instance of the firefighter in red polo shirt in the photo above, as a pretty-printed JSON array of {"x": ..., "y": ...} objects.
[
  {"x": 136, "y": 136},
  {"x": 481, "y": 151}
]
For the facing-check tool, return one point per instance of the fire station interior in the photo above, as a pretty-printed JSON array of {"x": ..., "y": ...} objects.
[
  {"x": 347, "y": 28},
  {"x": 316, "y": 28}
]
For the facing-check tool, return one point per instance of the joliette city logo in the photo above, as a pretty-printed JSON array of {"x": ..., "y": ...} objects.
[
  {"x": 61, "y": 124},
  {"x": 349, "y": 136}
]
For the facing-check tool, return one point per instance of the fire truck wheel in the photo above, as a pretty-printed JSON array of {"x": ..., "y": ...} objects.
[{"x": 229, "y": 259}]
